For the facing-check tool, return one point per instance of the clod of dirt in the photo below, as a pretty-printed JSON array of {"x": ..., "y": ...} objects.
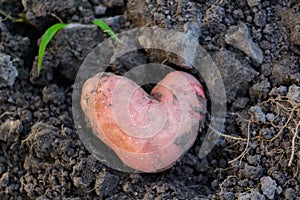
[
  {"x": 253, "y": 159},
  {"x": 260, "y": 90},
  {"x": 267, "y": 133},
  {"x": 260, "y": 18},
  {"x": 290, "y": 18},
  {"x": 279, "y": 91},
  {"x": 258, "y": 114},
  {"x": 7, "y": 184},
  {"x": 144, "y": 13},
  {"x": 128, "y": 61},
  {"x": 14, "y": 45},
  {"x": 8, "y": 71},
  {"x": 286, "y": 71},
  {"x": 82, "y": 175},
  {"x": 252, "y": 3},
  {"x": 113, "y": 3},
  {"x": 294, "y": 92},
  {"x": 42, "y": 139},
  {"x": 53, "y": 94},
  {"x": 183, "y": 47},
  {"x": 100, "y": 10},
  {"x": 105, "y": 183},
  {"x": 254, "y": 194},
  {"x": 214, "y": 15},
  {"x": 269, "y": 187},
  {"x": 236, "y": 75},
  {"x": 43, "y": 12},
  {"x": 239, "y": 37},
  {"x": 10, "y": 131},
  {"x": 252, "y": 172},
  {"x": 227, "y": 195},
  {"x": 289, "y": 193}
]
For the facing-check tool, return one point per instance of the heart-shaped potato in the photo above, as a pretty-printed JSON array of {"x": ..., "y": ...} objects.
[{"x": 148, "y": 133}]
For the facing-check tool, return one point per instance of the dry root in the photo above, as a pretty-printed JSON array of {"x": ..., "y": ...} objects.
[{"x": 287, "y": 120}]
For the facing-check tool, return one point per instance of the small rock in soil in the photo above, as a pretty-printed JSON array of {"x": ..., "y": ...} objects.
[
  {"x": 286, "y": 71},
  {"x": 105, "y": 183},
  {"x": 268, "y": 186},
  {"x": 10, "y": 131},
  {"x": 260, "y": 18},
  {"x": 260, "y": 90},
  {"x": 290, "y": 18},
  {"x": 279, "y": 91},
  {"x": 83, "y": 173},
  {"x": 53, "y": 94},
  {"x": 267, "y": 133},
  {"x": 270, "y": 117},
  {"x": 227, "y": 195},
  {"x": 254, "y": 194},
  {"x": 236, "y": 75},
  {"x": 42, "y": 139},
  {"x": 294, "y": 92},
  {"x": 252, "y": 3},
  {"x": 127, "y": 187},
  {"x": 15, "y": 45},
  {"x": 144, "y": 13},
  {"x": 8, "y": 71},
  {"x": 252, "y": 172},
  {"x": 239, "y": 37},
  {"x": 289, "y": 193},
  {"x": 214, "y": 15},
  {"x": 100, "y": 10},
  {"x": 41, "y": 12},
  {"x": 258, "y": 114},
  {"x": 113, "y": 3},
  {"x": 253, "y": 159}
]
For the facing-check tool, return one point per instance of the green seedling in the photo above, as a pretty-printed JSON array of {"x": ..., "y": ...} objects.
[
  {"x": 50, "y": 32},
  {"x": 106, "y": 29},
  {"x": 48, "y": 35}
]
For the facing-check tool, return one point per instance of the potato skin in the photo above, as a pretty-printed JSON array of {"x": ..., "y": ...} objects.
[{"x": 148, "y": 133}]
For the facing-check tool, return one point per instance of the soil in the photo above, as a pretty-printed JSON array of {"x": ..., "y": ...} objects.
[{"x": 256, "y": 46}]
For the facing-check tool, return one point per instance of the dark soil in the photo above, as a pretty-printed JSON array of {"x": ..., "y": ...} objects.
[{"x": 256, "y": 46}]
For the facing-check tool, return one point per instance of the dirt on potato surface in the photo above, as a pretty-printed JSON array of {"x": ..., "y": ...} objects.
[{"x": 256, "y": 47}]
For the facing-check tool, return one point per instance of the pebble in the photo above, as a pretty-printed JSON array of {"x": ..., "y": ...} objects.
[
  {"x": 8, "y": 71},
  {"x": 252, "y": 172},
  {"x": 276, "y": 91},
  {"x": 252, "y": 3},
  {"x": 258, "y": 114},
  {"x": 105, "y": 183},
  {"x": 260, "y": 18},
  {"x": 268, "y": 186},
  {"x": 289, "y": 193},
  {"x": 239, "y": 37},
  {"x": 294, "y": 92},
  {"x": 100, "y": 10}
]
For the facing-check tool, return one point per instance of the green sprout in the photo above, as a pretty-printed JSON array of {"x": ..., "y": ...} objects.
[
  {"x": 51, "y": 31},
  {"x": 106, "y": 29},
  {"x": 48, "y": 35}
]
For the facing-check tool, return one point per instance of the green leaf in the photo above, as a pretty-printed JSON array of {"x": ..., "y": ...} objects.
[
  {"x": 106, "y": 29},
  {"x": 50, "y": 32}
]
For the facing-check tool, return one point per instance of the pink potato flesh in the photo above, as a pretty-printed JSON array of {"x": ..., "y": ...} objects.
[{"x": 148, "y": 133}]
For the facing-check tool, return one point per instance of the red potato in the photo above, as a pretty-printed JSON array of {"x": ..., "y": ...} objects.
[{"x": 148, "y": 133}]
